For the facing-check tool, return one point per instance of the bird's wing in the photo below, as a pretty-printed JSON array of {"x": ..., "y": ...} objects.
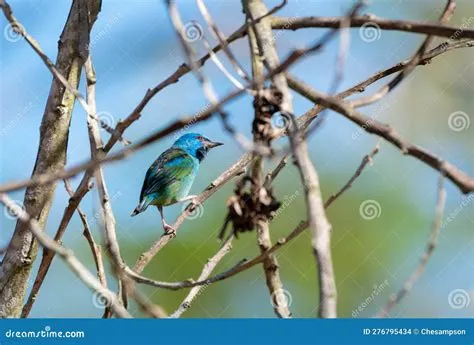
[{"x": 171, "y": 166}]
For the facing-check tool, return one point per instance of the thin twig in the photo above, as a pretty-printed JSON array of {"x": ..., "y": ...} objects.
[
  {"x": 96, "y": 146},
  {"x": 19, "y": 29},
  {"x": 410, "y": 66},
  {"x": 454, "y": 33},
  {"x": 206, "y": 272},
  {"x": 366, "y": 160},
  {"x": 96, "y": 249},
  {"x": 222, "y": 40},
  {"x": 430, "y": 247},
  {"x": 274, "y": 173},
  {"x": 221, "y": 66},
  {"x": 464, "y": 182},
  {"x": 48, "y": 255},
  {"x": 110, "y": 233},
  {"x": 67, "y": 255}
]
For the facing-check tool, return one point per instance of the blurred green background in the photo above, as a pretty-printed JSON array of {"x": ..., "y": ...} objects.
[{"x": 134, "y": 48}]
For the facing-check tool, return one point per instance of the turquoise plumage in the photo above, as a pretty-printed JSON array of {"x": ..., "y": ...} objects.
[{"x": 170, "y": 177}]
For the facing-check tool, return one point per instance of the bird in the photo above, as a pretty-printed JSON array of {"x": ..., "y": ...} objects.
[{"x": 170, "y": 177}]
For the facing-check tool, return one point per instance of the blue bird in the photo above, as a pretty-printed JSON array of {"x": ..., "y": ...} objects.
[{"x": 170, "y": 177}]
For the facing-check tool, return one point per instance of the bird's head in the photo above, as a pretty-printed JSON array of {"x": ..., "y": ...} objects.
[{"x": 196, "y": 145}]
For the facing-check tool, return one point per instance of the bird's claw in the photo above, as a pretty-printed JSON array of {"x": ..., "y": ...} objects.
[
  {"x": 195, "y": 202},
  {"x": 169, "y": 230}
]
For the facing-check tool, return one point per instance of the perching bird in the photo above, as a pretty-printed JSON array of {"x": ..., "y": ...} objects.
[{"x": 170, "y": 177}]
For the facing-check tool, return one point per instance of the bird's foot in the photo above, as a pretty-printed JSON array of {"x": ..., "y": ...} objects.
[
  {"x": 169, "y": 230},
  {"x": 195, "y": 201},
  {"x": 192, "y": 198}
]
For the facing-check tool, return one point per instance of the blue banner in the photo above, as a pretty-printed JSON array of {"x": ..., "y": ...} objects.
[{"x": 233, "y": 331}]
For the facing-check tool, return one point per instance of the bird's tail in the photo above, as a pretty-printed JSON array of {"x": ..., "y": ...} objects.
[{"x": 141, "y": 207}]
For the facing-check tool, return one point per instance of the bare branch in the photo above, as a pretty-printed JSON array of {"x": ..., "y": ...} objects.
[
  {"x": 464, "y": 182},
  {"x": 366, "y": 160},
  {"x": 222, "y": 40},
  {"x": 96, "y": 146},
  {"x": 454, "y": 33},
  {"x": 110, "y": 234},
  {"x": 17, "y": 262},
  {"x": 206, "y": 272},
  {"x": 318, "y": 222},
  {"x": 271, "y": 176},
  {"x": 430, "y": 247},
  {"x": 66, "y": 254},
  {"x": 410, "y": 66},
  {"x": 50, "y": 65},
  {"x": 48, "y": 255},
  {"x": 172, "y": 79},
  {"x": 261, "y": 40},
  {"x": 95, "y": 248}
]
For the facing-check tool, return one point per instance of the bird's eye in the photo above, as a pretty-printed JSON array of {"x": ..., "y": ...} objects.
[{"x": 200, "y": 137}]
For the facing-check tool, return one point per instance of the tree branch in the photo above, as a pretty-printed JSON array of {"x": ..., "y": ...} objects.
[
  {"x": 410, "y": 66},
  {"x": 464, "y": 182},
  {"x": 206, "y": 272},
  {"x": 260, "y": 41},
  {"x": 292, "y": 23},
  {"x": 17, "y": 262},
  {"x": 67, "y": 255},
  {"x": 430, "y": 247}
]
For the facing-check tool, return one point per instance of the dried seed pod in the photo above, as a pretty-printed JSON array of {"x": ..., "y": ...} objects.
[{"x": 244, "y": 211}]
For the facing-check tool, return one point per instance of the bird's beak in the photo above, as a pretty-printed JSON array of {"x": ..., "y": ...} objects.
[{"x": 212, "y": 144}]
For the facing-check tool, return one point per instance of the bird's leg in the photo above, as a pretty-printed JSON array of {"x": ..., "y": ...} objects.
[
  {"x": 169, "y": 230},
  {"x": 193, "y": 198}
]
